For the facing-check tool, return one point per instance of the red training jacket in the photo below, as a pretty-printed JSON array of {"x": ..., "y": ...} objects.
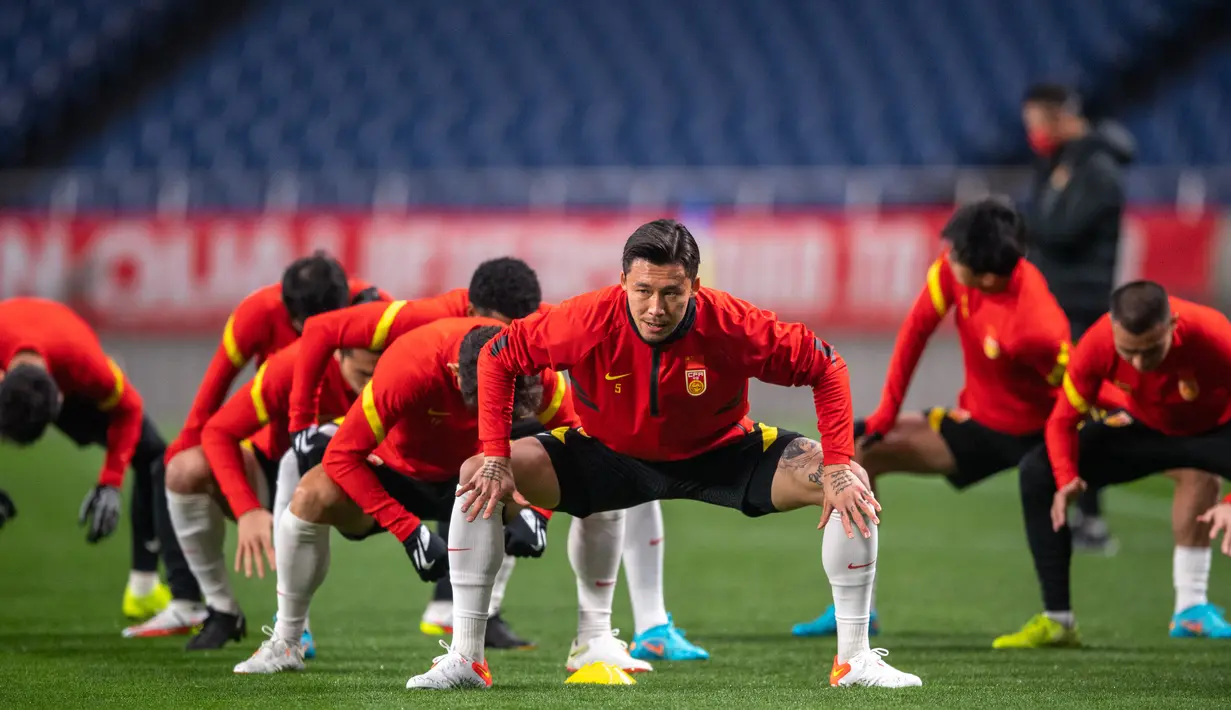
[
  {"x": 669, "y": 401},
  {"x": 79, "y": 366}
]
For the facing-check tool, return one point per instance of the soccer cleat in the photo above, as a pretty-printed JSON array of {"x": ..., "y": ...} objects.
[
  {"x": 1040, "y": 632},
  {"x": 452, "y": 671},
  {"x": 306, "y": 642},
  {"x": 219, "y": 627},
  {"x": 605, "y": 648},
  {"x": 178, "y": 619},
  {"x": 275, "y": 655},
  {"x": 827, "y": 625},
  {"x": 500, "y": 636},
  {"x": 868, "y": 669},
  {"x": 142, "y": 608},
  {"x": 1203, "y": 620},
  {"x": 437, "y": 619},
  {"x": 665, "y": 642}
]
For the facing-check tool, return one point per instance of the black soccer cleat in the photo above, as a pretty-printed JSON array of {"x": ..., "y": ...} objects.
[
  {"x": 219, "y": 627},
  {"x": 500, "y": 636}
]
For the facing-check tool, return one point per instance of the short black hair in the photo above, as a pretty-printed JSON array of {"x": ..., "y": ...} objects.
[
  {"x": 1140, "y": 306},
  {"x": 29, "y": 401},
  {"x": 987, "y": 236},
  {"x": 371, "y": 294},
  {"x": 1057, "y": 96},
  {"x": 505, "y": 286},
  {"x": 663, "y": 242},
  {"x": 527, "y": 392},
  {"x": 314, "y": 284}
]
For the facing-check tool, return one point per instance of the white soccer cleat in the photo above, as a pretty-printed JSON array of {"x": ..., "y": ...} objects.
[
  {"x": 452, "y": 671},
  {"x": 178, "y": 619},
  {"x": 607, "y": 648},
  {"x": 868, "y": 669},
  {"x": 276, "y": 655}
]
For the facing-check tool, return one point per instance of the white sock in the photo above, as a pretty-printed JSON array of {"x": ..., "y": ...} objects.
[
  {"x": 302, "y": 553},
  {"x": 501, "y": 584},
  {"x": 1190, "y": 568},
  {"x": 643, "y": 564},
  {"x": 1064, "y": 618},
  {"x": 201, "y": 529},
  {"x": 288, "y": 479},
  {"x": 850, "y": 565},
  {"x": 476, "y": 551},
  {"x": 142, "y": 584},
  {"x": 594, "y": 547}
]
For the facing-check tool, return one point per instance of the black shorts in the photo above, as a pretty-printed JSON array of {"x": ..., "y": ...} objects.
[
  {"x": 427, "y": 500},
  {"x": 978, "y": 452},
  {"x": 1116, "y": 448},
  {"x": 82, "y": 421},
  {"x": 594, "y": 479}
]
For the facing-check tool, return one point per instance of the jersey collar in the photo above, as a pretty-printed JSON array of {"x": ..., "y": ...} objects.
[{"x": 681, "y": 329}]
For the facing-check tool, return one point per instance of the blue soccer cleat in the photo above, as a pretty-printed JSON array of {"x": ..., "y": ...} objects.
[
  {"x": 666, "y": 643},
  {"x": 1203, "y": 620},
  {"x": 306, "y": 642},
  {"x": 827, "y": 625}
]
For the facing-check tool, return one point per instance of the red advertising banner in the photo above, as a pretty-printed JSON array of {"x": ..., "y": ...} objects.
[{"x": 834, "y": 270}]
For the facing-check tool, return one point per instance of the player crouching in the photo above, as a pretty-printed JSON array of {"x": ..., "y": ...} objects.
[{"x": 392, "y": 465}]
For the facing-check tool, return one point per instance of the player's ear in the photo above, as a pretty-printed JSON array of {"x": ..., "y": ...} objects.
[
  {"x": 696, "y": 284},
  {"x": 337, "y": 356},
  {"x": 624, "y": 280},
  {"x": 456, "y": 369}
]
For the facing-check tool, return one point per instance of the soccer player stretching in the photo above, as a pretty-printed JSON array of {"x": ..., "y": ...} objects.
[
  {"x": 1015, "y": 346},
  {"x": 1172, "y": 361},
  {"x": 660, "y": 369}
]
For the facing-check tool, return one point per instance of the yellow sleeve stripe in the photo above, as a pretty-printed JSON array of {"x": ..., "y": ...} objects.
[
  {"x": 935, "y": 290},
  {"x": 369, "y": 411},
  {"x": 234, "y": 354},
  {"x": 258, "y": 399},
  {"x": 557, "y": 398},
  {"x": 1075, "y": 398},
  {"x": 384, "y": 324},
  {"x": 117, "y": 391},
  {"x": 1062, "y": 365}
]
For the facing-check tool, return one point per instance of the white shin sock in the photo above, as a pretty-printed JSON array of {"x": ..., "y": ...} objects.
[
  {"x": 200, "y": 528},
  {"x": 643, "y": 564},
  {"x": 850, "y": 564},
  {"x": 302, "y": 551},
  {"x": 594, "y": 547},
  {"x": 501, "y": 584},
  {"x": 1190, "y": 570},
  {"x": 476, "y": 551}
]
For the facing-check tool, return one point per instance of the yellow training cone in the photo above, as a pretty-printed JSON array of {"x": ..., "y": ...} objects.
[{"x": 599, "y": 673}]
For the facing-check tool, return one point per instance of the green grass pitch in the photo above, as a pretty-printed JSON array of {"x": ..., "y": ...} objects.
[{"x": 954, "y": 573}]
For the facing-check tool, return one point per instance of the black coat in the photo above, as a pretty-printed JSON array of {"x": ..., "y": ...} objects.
[{"x": 1074, "y": 232}]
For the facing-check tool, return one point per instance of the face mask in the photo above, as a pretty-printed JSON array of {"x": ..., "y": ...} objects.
[{"x": 1042, "y": 142}]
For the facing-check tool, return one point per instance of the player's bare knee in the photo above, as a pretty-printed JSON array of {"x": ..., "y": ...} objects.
[
  {"x": 315, "y": 496},
  {"x": 534, "y": 474},
  {"x": 188, "y": 473}
]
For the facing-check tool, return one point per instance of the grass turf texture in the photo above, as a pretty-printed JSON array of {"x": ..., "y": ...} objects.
[{"x": 954, "y": 573}]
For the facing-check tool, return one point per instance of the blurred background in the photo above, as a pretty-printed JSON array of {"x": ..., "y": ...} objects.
[{"x": 159, "y": 159}]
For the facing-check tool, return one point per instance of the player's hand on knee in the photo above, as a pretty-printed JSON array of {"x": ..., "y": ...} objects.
[
  {"x": 860, "y": 473},
  {"x": 1060, "y": 502},
  {"x": 526, "y": 534},
  {"x": 850, "y": 497},
  {"x": 8, "y": 511},
  {"x": 1219, "y": 520},
  {"x": 428, "y": 553},
  {"x": 490, "y": 485},
  {"x": 255, "y": 538},
  {"x": 101, "y": 511}
]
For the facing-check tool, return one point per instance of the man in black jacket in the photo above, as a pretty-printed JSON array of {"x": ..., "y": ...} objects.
[{"x": 1074, "y": 227}]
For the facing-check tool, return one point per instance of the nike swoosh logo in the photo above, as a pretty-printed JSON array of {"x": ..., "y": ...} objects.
[
  {"x": 655, "y": 541},
  {"x": 434, "y": 413},
  {"x": 851, "y": 566},
  {"x": 601, "y": 583},
  {"x": 610, "y": 376},
  {"x": 458, "y": 549}
]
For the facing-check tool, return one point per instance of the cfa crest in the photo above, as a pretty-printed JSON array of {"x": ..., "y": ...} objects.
[
  {"x": 694, "y": 381},
  {"x": 1189, "y": 389},
  {"x": 991, "y": 348}
]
